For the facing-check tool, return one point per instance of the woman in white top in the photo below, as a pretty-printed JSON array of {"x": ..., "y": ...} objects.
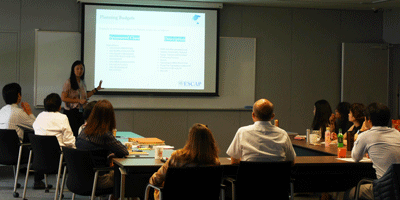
[
  {"x": 75, "y": 95},
  {"x": 52, "y": 122}
]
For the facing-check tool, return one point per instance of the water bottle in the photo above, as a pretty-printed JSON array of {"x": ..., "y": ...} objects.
[{"x": 327, "y": 137}]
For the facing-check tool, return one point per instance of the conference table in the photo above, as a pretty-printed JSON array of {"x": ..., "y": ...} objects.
[{"x": 316, "y": 169}]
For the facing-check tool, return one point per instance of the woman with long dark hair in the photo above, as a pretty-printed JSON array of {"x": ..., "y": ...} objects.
[
  {"x": 322, "y": 112},
  {"x": 75, "y": 95},
  {"x": 200, "y": 149}
]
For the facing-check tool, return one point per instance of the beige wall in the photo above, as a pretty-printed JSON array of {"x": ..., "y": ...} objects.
[{"x": 298, "y": 62}]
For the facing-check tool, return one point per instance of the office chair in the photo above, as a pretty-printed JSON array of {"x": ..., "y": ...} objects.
[
  {"x": 202, "y": 182},
  {"x": 47, "y": 159},
  {"x": 12, "y": 153},
  {"x": 83, "y": 173},
  {"x": 385, "y": 188},
  {"x": 253, "y": 178}
]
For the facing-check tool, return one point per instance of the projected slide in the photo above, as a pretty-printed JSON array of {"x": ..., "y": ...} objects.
[{"x": 149, "y": 49}]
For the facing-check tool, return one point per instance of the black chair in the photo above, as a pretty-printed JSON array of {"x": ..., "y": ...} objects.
[
  {"x": 385, "y": 188},
  {"x": 257, "y": 178},
  {"x": 47, "y": 159},
  {"x": 83, "y": 173},
  {"x": 190, "y": 183},
  {"x": 12, "y": 152}
]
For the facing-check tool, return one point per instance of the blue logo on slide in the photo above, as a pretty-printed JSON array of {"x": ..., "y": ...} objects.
[
  {"x": 190, "y": 83},
  {"x": 195, "y": 17}
]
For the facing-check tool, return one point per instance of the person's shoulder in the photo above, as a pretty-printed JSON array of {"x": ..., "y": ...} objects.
[
  {"x": 67, "y": 84},
  {"x": 246, "y": 128},
  {"x": 6, "y": 108}
]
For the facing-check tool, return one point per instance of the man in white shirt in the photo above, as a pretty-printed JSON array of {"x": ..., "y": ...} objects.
[
  {"x": 13, "y": 117},
  {"x": 261, "y": 141},
  {"x": 52, "y": 122},
  {"x": 380, "y": 142}
]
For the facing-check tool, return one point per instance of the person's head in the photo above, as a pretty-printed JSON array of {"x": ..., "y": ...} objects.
[
  {"x": 102, "y": 119},
  {"x": 263, "y": 110},
  {"x": 77, "y": 71},
  {"x": 342, "y": 111},
  {"x": 12, "y": 93},
  {"x": 356, "y": 113},
  {"x": 52, "y": 103},
  {"x": 377, "y": 114},
  {"x": 322, "y": 112},
  {"x": 87, "y": 109},
  {"x": 201, "y": 146}
]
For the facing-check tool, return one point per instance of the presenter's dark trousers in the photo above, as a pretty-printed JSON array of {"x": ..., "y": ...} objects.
[{"x": 75, "y": 119}]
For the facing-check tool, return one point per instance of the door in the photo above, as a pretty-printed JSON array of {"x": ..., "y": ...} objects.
[{"x": 365, "y": 73}]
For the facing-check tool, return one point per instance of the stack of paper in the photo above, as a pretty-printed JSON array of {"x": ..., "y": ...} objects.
[{"x": 147, "y": 141}]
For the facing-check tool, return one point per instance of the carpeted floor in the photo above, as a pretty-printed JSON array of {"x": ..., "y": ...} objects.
[
  {"x": 7, "y": 184},
  {"x": 7, "y": 187}
]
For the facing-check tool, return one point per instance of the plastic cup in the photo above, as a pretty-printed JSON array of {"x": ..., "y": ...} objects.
[
  {"x": 158, "y": 152},
  {"x": 342, "y": 152}
]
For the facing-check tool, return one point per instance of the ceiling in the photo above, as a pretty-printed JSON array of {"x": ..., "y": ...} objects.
[{"x": 376, "y": 5}]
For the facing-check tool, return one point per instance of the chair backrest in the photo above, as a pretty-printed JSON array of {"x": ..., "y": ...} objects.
[
  {"x": 80, "y": 167},
  {"x": 201, "y": 182},
  {"x": 46, "y": 153},
  {"x": 9, "y": 147},
  {"x": 255, "y": 179},
  {"x": 388, "y": 186}
]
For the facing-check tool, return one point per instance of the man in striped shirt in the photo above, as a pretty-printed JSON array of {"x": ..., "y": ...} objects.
[{"x": 15, "y": 118}]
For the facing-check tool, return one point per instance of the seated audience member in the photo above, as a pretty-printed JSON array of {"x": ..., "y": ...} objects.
[
  {"x": 13, "y": 117},
  {"x": 380, "y": 142},
  {"x": 357, "y": 117},
  {"x": 200, "y": 149},
  {"x": 87, "y": 109},
  {"x": 52, "y": 122},
  {"x": 261, "y": 141},
  {"x": 322, "y": 113},
  {"x": 98, "y": 135},
  {"x": 20, "y": 120},
  {"x": 340, "y": 120}
]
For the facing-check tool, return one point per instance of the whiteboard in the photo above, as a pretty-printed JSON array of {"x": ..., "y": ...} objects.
[
  {"x": 237, "y": 64},
  {"x": 54, "y": 54}
]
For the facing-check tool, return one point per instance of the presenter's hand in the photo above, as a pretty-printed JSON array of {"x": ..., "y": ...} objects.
[
  {"x": 99, "y": 87},
  {"x": 82, "y": 101}
]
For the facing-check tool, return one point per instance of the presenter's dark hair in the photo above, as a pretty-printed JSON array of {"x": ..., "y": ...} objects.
[
  {"x": 52, "y": 102},
  {"x": 72, "y": 77},
  {"x": 378, "y": 113},
  {"x": 321, "y": 118},
  {"x": 10, "y": 93}
]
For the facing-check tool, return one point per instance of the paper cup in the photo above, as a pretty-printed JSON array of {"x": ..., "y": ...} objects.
[
  {"x": 128, "y": 146},
  {"x": 314, "y": 138},
  {"x": 158, "y": 152}
]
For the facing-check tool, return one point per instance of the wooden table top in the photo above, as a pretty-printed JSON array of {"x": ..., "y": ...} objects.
[{"x": 300, "y": 160}]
